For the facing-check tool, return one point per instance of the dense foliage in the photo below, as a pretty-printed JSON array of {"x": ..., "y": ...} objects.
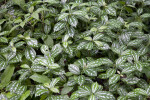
[{"x": 74, "y": 49}]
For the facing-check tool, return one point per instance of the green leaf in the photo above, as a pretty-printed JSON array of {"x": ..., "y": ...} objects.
[
  {"x": 54, "y": 66},
  {"x": 110, "y": 72},
  {"x": 131, "y": 80},
  {"x": 81, "y": 45},
  {"x": 122, "y": 98},
  {"x": 98, "y": 43},
  {"x": 25, "y": 66},
  {"x": 45, "y": 49},
  {"x": 79, "y": 12},
  {"x": 56, "y": 50},
  {"x": 7, "y": 74},
  {"x": 140, "y": 91},
  {"x": 145, "y": 15},
  {"x": 132, "y": 94},
  {"x": 135, "y": 42},
  {"x": 35, "y": 15},
  {"x": 47, "y": 28},
  {"x": 89, "y": 46},
  {"x": 58, "y": 26},
  {"x": 122, "y": 91},
  {"x": 90, "y": 72},
  {"x": 99, "y": 62},
  {"x": 4, "y": 33},
  {"x": 42, "y": 61},
  {"x": 49, "y": 41},
  {"x": 94, "y": 87},
  {"x": 104, "y": 95},
  {"x": 69, "y": 50},
  {"x": 92, "y": 97},
  {"x": 83, "y": 91},
  {"x": 54, "y": 82},
  {"x": 55, "y": 90},
  {"x": 40, "y": 92},
  {"x": 66, "y": 90},
  {"x": 73, "y": 21},
  {"x": 32, "y": 42},
  {"x": 81, "y": 80},
  {"x": 40, "y": 78},
  {"x": 128, "y": 70},
  {"x": 101, "y": 2},
  {"x": 3, "y": 40},
  {"x": 139, "y": 66},
  {"x": 74, "y": 69},
  {"x": 62, "y": 16},
  {"x": 30, "y": 54},
  {"x": 121, "y": 60},
  {"x": 25, "y": 95},
  {"x": 111, "y": 11},
  {"x": 38, "y": 68},
  {"x": 97, "y": 36},
  {"x": 142, "y": 50},
  {"x": 114, "y": 79}
]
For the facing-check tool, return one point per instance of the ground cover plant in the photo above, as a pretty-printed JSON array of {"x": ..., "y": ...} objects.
[{"x": 74, "y": 49}]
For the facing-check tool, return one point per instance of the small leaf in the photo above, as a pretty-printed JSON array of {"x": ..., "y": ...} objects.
[
  {"x": 139, "y": 66},
  {"x": 121, "y": 60},
  {"x": 66, "y": 90},
  {"x": 58, "y": 26},
  {"x": 104, "y": 95},
  {"x": 45, "y": 49},
  {"x": 54, "y": 66},
  {"x": 83, "y": 91},
  {"x": 47, "y": 28},
  {"x": 110, "y": 72},
  {"x": 30, "y": 54},
  {"x": 49, "y": 41},
  {"x": 32, "y": 42},
  {"x": 56, "y": 50},
  {"x": 40, "y": 92},
  {"x": 73, "y": 21},
  {"x": 79, "y": 12},
  {"x": 74, "y": 69},
  {"x": 54, "y": 82},
  {"x": 55, "y": 90},
  {"x": 25, "y": 66},
  {"x": 81, "y": 45},
  {"x": 62, "y": 16},
  {"x": 111, "y": 11},
  {"x": 94, "y": 87},
  {"x": 97, "y": 36},
  {"x": 25, "y": 95},
  {"x": 99, "y": 62},
  {"x": 89, "y": 46},
  {"x": 114, "y": 79},
  {"x": 90, "y": 72},
  {"x": 81, "y": 80},
  {"x": 128, "y": 70},
  {"x": 42, "y": 61},
  {"x": 92, "y": 97},
  {"x": 35, "y": 15},
  {"x": 98, "y": 43},
  {"x": 3, "y": 40}
]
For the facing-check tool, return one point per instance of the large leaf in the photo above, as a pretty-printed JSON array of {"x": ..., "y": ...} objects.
[
  {"x": 40, "y": 78},
  {"x": 7, "y": 74}
]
